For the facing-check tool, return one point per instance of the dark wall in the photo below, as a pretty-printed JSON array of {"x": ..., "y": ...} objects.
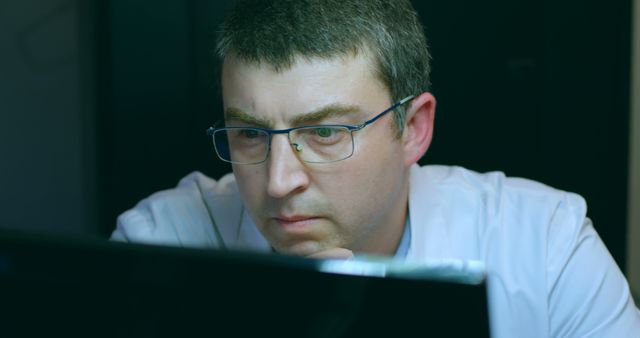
[
  {"x": 47, "y": 132},
  {"x": 159, "y": 95}
]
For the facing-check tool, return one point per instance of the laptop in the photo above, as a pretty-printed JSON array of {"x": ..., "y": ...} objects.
[{"x": 94, "y": 288}]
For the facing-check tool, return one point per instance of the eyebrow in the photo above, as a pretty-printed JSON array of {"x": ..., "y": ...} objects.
[
  {"x": 332, "y": 110},
  {"x": 237, "y": 114}
]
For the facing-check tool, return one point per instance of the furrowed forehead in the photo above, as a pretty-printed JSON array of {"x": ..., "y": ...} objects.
[
  {"x": 312, "y": 91},
  {"x": 373, "y": 66},
  {"x": 336, "y": 110}
]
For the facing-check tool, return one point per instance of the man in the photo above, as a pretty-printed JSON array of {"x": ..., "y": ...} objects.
[{"x": 327, "y": 110}]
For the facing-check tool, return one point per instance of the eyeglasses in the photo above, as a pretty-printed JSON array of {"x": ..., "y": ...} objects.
[{"x": 312, "y": 144}]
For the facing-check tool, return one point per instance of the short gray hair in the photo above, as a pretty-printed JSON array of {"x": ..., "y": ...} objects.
[{"x": 276, "y": 32}]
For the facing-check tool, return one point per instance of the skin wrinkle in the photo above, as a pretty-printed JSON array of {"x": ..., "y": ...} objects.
[{"x": 335, "y": 110}]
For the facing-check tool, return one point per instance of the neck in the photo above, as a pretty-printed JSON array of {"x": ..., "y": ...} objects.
[{"x": 386, "y": 239}]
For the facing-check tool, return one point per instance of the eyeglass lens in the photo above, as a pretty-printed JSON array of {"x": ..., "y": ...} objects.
[{"x": 320, "y": 144}]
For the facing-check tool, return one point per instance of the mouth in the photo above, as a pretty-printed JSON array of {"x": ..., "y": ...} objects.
[{"x": 296, "y": 222}]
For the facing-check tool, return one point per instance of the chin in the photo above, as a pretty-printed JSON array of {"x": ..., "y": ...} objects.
[{"x": 300, "y": 248}]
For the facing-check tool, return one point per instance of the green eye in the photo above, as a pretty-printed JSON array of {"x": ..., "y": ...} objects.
[{"x": 324, "y": 132}]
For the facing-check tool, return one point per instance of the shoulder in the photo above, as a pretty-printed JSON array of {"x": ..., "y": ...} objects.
[
  {"x": 538, "y": 245},
  {"x": 494, "y": 192},
  {"x": 181, "y": 216},
  {"x": 490, "y": 216},
  {"x": 470, "y": 180}
]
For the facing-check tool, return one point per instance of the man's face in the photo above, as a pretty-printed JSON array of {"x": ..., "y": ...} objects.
[{"x": 305, "y": 208}]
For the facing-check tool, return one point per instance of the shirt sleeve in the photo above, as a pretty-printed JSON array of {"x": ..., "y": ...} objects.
[
  {"x": 588, "y": 295},
  {"x": 174, "y": 217},
  {"x": 133, "y": 225}
]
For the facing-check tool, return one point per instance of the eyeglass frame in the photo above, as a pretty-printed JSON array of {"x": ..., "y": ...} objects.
[{"x": 351, "y": 128}]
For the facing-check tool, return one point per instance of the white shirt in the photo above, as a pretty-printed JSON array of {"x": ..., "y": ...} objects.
[{"x": 549, "y": 274}]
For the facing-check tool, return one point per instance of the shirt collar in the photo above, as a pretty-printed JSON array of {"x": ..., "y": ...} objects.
[{"x": 405, "y": 241}]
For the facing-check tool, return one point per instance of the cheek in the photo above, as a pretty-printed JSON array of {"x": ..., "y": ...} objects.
[
  {"x": 362, "y": 184},
  {"x": 380, "y": 160},
  {"x": 376, "y": 172}
]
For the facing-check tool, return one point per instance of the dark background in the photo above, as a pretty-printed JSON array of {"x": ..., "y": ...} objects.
[{"x": 105, "y": 102}]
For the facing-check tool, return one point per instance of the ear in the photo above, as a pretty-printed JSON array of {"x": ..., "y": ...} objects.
[{"x": 418, "y": 130}]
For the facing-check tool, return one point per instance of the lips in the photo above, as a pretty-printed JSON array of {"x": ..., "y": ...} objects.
[{"x": 295, "y": 222}]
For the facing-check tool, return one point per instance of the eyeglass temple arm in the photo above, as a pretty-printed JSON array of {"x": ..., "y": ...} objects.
[{"x": 398, "y": 104}]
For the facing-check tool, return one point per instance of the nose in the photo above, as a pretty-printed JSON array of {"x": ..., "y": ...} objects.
[{"x": 286, "y": 172}]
